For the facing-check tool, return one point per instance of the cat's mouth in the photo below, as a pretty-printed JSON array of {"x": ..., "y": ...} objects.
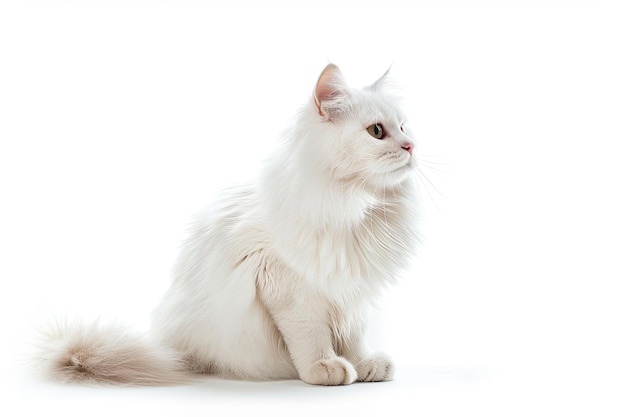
[{"x": 398, "y": 162}]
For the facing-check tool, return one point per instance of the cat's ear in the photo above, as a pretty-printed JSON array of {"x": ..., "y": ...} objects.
[
  {"x": 388, "y": 86},
  {"x": 331, "y": 92},
  {"x": 382, "y": 82}
]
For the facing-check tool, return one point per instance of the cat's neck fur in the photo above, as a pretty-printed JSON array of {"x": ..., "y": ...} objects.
[{"x": 302, "y": 186}]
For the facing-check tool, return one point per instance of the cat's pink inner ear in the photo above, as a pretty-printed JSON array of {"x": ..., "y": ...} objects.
[{"x": 330, "y": 86}]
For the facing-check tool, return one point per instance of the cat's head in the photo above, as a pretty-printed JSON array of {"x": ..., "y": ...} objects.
[{"x": 361, "y": 134}]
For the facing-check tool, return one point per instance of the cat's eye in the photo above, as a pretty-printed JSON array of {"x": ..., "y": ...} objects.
[
  {"x": 376, "y": 131},
  {"x": 402, "y": 129}
]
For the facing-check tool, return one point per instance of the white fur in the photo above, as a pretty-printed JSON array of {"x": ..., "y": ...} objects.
[{"x": 274, "y": 280}]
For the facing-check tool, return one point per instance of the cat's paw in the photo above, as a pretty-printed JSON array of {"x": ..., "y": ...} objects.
[
  {"x": 333, "y": 371},
  {"x": 375, "y": 369}
]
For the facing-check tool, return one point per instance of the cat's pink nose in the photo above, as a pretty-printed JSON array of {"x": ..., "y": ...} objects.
[{"x": 409, "y": 147}]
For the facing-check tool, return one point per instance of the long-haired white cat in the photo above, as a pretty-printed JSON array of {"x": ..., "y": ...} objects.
[{"x": 275, "y": 278}]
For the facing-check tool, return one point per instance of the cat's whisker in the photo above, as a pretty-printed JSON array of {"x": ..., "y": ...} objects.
[
  {"x": 436, "y": 168},
  {"x": 425, "y": 177},
  {"x": 427, "y": 185}
]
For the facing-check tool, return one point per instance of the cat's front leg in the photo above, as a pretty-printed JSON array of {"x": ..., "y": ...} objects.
[
  {"x": 301, "y": 317},
  {"x": 304, "y": 327},
  {"x": 375, "y": 368},
  {"x": 370, "y": 368}
]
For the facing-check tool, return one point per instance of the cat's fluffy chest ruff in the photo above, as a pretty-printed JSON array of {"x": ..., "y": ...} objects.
[{"x": 360, "y": 248}]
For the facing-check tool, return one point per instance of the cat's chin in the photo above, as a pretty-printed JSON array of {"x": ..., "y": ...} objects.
[
  {"x": 401, "y": 172},
  {"x": 392, "y": 179}
]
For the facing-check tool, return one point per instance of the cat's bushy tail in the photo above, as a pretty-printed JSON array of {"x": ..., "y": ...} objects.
[{"x": 110, "y": 354}]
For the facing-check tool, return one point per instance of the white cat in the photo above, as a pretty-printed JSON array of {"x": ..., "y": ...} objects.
[{"x": 275, "y": 278}]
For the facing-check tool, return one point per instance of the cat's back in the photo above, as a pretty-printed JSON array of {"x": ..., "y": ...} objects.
[{"x": 225, "y": 232}]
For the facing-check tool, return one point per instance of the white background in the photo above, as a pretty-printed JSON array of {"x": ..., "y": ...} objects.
[{"x": 119, "y": 120}]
